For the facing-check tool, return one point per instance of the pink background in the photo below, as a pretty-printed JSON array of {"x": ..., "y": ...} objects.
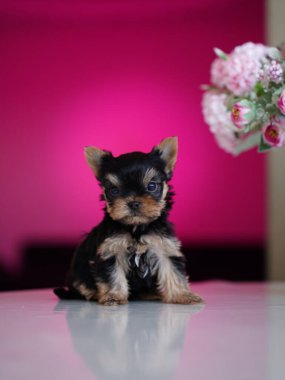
[{"x": 121, "y": 78}]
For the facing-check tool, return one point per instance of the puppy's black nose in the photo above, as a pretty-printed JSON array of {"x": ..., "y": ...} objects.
[{"x": 134, "y": 205}]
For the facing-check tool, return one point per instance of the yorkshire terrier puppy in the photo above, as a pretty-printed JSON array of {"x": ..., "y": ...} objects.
[{"x": 133, "y": 252}]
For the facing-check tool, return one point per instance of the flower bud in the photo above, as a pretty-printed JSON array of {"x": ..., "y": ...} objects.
[{"x": 243, "y": 112}]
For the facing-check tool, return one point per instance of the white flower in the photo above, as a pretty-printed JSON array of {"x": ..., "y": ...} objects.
[
  {"x": 218, "y": 118},
  {"x": 240, "y": 71}
]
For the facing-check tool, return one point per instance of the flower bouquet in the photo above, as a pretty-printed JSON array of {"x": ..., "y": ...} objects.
[{"x": 245, "y": 104}]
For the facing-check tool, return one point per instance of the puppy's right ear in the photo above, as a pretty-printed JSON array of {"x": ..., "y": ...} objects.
[{"x": 94, "y": 157}]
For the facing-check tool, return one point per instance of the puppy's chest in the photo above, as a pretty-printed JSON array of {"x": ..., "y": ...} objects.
[
  {"x": 129, "y": 251},
  {"x": 139, "y": 258},
  {"x": 142, "y": 262},
  {"x": 139, "y": 254}
]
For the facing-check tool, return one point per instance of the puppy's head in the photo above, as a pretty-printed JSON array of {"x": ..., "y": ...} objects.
[{"x": 134, "y": 184}]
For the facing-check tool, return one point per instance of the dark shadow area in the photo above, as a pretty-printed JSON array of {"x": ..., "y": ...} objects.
[
  {"x": 233, "y": 263},
  {"x": 46, "y": 265}
]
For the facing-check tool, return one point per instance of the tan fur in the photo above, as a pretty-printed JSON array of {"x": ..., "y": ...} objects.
[
  {"x": 161, "y": 245},
  {"x": 140, "y": 248},
  {"x": 172, "y": 286},
  {"x": 117, "y": 291},
  {"x": 103, "y": 289},
  {"x": 113, "y": 179},
  {"x": 150, "y": 207},
  {"x": 119, "y": 209},
  {"x": 89, "y": 294},
  {"x": 94, "y": 156},
  {"x": 109, "y": 296},
  {"x": 120, "y": 245},
  {"x": 169, "y": 149},
  {"x": 115, "y": 245},
  {"x": 148, "y": 176},
  {"x": 120, "y": 288},
  {"x": 136, "y": 219},
  {"x": 164, "y": 191},
  {"x": 149, "y": 210}
]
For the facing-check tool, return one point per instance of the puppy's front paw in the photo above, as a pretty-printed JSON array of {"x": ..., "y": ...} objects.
[
  {"x": 185, "y": 298},
  {"x": 112, "y": 300},
  {"x": 194, "y": 298}
]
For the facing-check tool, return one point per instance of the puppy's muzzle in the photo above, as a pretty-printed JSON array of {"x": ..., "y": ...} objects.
[{"x": 134, "y": 205}]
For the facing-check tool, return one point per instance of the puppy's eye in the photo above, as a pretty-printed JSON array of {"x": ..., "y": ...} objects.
[
  {"x": 114, "y": 191},
  {"x": 152, "y": 186}
]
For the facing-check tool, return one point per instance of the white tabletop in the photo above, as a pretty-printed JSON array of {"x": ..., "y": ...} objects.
[{"x": 238, "y": 335}]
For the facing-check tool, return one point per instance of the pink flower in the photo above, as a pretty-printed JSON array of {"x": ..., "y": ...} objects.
[
  {"x": 274, "y": 133},
  {"x": 218, "y": 118},
  {"x": 242, "y": 74},
  {"x": 215, "y": 111},
  {"x": 281, "y": 102},
  {"x": 243, "y": 112},
  {"x": 240, "y": 105},
  {"x": 240, "y": 70},
  {"x": 218, "y": 72},
  {"x": 243, "y": 67},
  {"x": 275, "y": 72}
]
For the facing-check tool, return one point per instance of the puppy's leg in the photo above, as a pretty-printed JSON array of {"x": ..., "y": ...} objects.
[
  {"x": 113, "y": 285},
  {"x": 112, "y": 267},
  {"x": 172, "y": 282},
  {"x": 89, "y": 293},
  {"x": 170, "y": 267}
]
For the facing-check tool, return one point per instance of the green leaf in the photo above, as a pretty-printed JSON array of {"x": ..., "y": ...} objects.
[
  {"x": 219, "y": 53},
  {"x": 248, "y": 143},
  {"x": 263, "y": 147},
  {"x": 278, "y": 91},
  {"x": 259, "y": 89}
]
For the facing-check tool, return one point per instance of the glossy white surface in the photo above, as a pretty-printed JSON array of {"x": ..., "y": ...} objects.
[{"x": 238, "y": 335}]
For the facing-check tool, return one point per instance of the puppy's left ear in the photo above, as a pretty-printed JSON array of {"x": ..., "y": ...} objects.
[
  {"x": 94, "y": 157},
  {"x": 168, "y": 149}
]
